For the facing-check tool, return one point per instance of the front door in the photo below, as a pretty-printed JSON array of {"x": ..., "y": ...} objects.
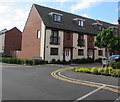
[{"x": 67, "y": 54}]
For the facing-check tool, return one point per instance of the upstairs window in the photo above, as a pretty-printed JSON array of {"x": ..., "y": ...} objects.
[
  {"x": 115, "y": 28},
  {"x": 54, "y": 39},
  {"x": 57, "y": 18},
  {"x": 80, "y": 23},
  {"x": 99, "y": 27},
  {"x": 81, "y": 41},
  {"x": 38, "y": 34}
]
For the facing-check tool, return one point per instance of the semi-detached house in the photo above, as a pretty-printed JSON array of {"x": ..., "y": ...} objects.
[{"x": 51, "y": 33}]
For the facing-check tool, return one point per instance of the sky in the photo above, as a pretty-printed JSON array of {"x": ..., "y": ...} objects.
[{"x": 14, "y": 13}]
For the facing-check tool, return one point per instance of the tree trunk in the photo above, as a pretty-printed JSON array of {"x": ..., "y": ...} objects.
[{"x": 108, "y": 53}]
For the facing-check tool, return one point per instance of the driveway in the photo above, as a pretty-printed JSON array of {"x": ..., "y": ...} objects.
[{"x": 36, "y": 83}]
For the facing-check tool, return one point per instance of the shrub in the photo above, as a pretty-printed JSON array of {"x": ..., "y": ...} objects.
[
  {"x": 100, "y": 71},
  {"x": 85, "y": 70},
  {"x": 23, "y": 61},
  {"x": 53, "y": 61},
  {"x": 0, "y": 59},
  {"x": 29, "y": 62},
  {"x": 98, "y": 60},
  {"x": 115, "y": 72},
  {"x": 115, "y": 65},
  {"x": 106, "y": 71},
  {"x": 58, "y": 61},
  {"x": 38, "y": 62},
  {"x": 83, "y": 60},
  {"x": 94, "y": 71},
  {"x": 65, "y": 62}
]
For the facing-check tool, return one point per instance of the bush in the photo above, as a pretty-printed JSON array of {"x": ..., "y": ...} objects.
[
  {"x": 94, "y": 71},
  {"x": 65, "y": 62},
  {"x": 83, "y": 60},
  {"x": 99, "y": 60},
  {"x": 0, "y": 59},
  {"x": 23, "y": 61},
  {"x": 106, "y": 71},
  {"x": 100, "y": 71},
  {"x": 115, "y": 73},
  {"x": 58, "y": 61},
  {"x": 115, "y": 65},
  {"x": 38, "y": 62},
  {"x": 53, "y": 61}
]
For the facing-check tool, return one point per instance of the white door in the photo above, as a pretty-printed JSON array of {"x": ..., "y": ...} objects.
[{"x": 67, "y": 54}]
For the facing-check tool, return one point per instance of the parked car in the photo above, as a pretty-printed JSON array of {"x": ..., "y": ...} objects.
[{"x": 113, "y": 58}]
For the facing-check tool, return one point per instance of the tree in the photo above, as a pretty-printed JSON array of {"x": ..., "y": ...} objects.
[{"x": 107, "y": 39}]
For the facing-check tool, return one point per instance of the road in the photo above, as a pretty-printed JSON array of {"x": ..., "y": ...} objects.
[{"x": 36, "y": 83}]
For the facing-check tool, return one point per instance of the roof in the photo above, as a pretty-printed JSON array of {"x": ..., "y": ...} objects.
[
  {"x": 5, "y": 30},
  {"x": 67, "y": 22}
]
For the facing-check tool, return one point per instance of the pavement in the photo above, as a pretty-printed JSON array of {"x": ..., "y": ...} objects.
[{"x": 54, "y": 82}]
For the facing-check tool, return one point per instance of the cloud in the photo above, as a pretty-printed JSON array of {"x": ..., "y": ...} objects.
[
  {"x": 84, "y": 15},
  {"x": 116, "y": 22},
  {"x": 12, "y": 16},
  {"x": 83, "y": 4}
]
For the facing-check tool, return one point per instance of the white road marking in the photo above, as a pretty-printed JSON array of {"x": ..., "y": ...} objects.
[
  {"x": 118, "y": 99},
  {"x": 81, "y": 98},
  {"x": 59, "y": 73}
]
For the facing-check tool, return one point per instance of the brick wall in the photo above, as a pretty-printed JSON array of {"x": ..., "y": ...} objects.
[
  {"x": 30, "y": 42},
  {"x": 13, "y": 39}
]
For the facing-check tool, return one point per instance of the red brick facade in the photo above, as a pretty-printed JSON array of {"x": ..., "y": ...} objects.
[
  {"x": 90, "y": 40},
  {"x": 30, "y": 42},
  {"x": 13, "y": 39},
  {"x": 68, "y": 43}
]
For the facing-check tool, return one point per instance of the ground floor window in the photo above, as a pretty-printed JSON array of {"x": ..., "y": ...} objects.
[
  {"x": 53, "y": 51},
  {"x": 80, "y": 52},
  {"x": 100, "y": 52}
]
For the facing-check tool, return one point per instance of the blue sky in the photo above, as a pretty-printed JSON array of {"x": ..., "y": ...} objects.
[{"x": 15, "y": 13}]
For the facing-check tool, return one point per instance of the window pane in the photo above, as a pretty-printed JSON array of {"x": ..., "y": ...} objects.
[
  {"x": 100, "y": 52},
  {"x": 54, "y": 37},
  {"x": 57, "y": 18},
  {"x": 54, "y": 51},
  {"x": 80, "y": 23},
  {"x": 81, "y": 52}
]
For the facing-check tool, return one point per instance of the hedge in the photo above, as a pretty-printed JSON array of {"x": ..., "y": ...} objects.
[
  {"x": 22, "y": 61},
  {"x": 99, "y": 71},
  {"x": 115, "y": 65},
  {"x": 83, "y": 60},
  {"x": 54, "y": 61}
]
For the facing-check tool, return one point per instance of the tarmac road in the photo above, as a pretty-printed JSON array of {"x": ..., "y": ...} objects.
[{"x": 36, "y": 83}]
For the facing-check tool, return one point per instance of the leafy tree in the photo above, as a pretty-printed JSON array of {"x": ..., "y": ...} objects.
[{"x": 107, "y": 39}]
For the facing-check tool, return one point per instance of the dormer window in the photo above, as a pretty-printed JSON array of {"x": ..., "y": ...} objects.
[
  {"x": 79, "y": 21},
  {"x": 57, "y": 17},
  {"x": 115, "y": 28},
  {"x": 100, "y": 28}
]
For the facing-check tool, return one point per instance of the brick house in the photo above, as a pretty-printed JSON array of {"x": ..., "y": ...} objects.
[
  {"x": 51, "y": 33},
  {"x": 10, "y": 41}
]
